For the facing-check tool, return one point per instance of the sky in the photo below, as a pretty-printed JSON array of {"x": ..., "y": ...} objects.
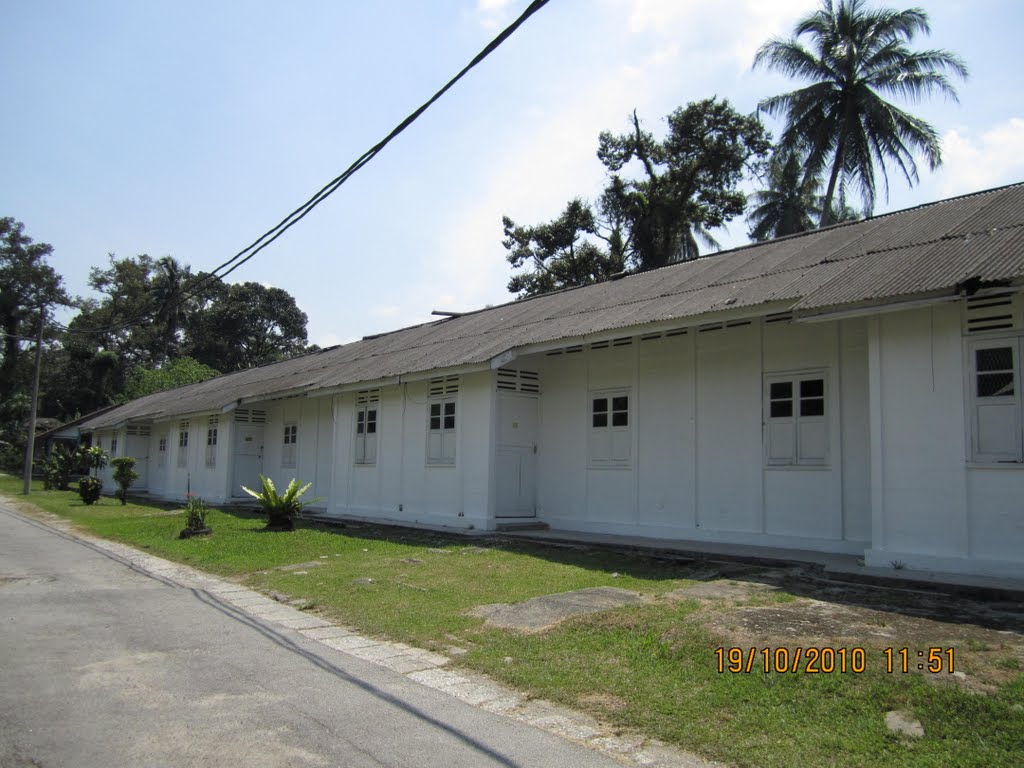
[{"x": 188, "y": 128}]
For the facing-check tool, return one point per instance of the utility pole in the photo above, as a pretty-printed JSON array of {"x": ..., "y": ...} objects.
[{"x": 31, "y": 446}]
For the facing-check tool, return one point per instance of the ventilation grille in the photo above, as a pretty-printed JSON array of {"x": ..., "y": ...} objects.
[
  {"x": 183, "y": 425},
  {"x": 778, "y": 317},
  {"x": 213, "y": 421},
  {"x": 250, "y": 416},
  {"x": 138, "y": 431},
  {"x": 367, "y": 396},
  {"x": 444, "y": 385},
  {"x": 518, "y": 381},
  {"x": 997, "y": 312}
]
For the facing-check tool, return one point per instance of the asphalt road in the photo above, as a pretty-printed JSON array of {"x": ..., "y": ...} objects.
[{"x": 101, "y": 665}]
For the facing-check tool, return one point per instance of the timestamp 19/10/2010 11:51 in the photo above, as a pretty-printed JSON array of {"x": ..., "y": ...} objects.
[{"x": 825, "y": 660}]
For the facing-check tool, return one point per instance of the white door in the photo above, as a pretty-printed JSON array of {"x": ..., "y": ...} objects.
[
  {"x": 516, "y": 469},
  {"x": 137, "y": 446},
  {"x": 248, "y": 458}
]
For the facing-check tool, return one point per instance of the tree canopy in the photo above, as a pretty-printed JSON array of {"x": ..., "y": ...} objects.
[
  {"x": 661, "y": 201},
  {"x": 244, "y": 325},
  {"x": 559, "y": 253},
  {"x": 788, "y": 204},
  {"x": 688, "y": 182},
  {"x": 856, "y": 56},
  {"x": 27, "y": 284},
  {"x": 174, "y": 373}
]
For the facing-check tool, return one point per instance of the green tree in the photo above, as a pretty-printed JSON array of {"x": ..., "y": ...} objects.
[
  {"x": 175, "y": 373},
  {"x": 124, "y": 475},
  {"x": 688, "y": 181},
  {"x": 244, "y": 325},
  {"x": 171, "y": 296},
  {"x": 841, "y": 120},
  {"x": 27, "y": 282},
  {"x": 789, "y": 203},
  {"x": 560, "y": 253}
]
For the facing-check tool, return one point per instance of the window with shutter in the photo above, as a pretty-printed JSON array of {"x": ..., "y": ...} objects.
[
  {"x": 611, "y": 438},
  {"x": 366, "y": 435},
  {"x": 441, "y": 431},
  {"x": 289, "y": 446},
  {"x": 995, "y": 400},
  {"x": 183, "y": 444},
  {"x": 796, "y": 426}
]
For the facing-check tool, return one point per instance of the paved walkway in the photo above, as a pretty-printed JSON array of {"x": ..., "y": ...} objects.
[{"x": 116, "y": 657}]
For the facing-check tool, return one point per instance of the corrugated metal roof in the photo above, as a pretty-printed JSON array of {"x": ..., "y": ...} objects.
[{"x": 923, "y": 251}]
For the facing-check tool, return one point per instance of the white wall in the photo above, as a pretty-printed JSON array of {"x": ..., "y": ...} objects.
[
  {"x": 401, "y": 486},
  {"x": 931, "y": 508},
  {"x": 174, "y": 482},
  {"x": 314, "y": 419},
  {"x": 698, "y": 469}
]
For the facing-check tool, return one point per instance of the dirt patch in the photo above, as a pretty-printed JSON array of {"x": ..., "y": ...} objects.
[
  {"x": 722, "y": 589},
  {"x": 987, "y": 638},
  {"x": 540, "y": 613},
  {"x": 602, "y": 701}
]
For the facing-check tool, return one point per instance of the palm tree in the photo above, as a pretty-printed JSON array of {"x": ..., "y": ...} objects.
[
  {"x": 857, "y": 56},
  {"x": 170, "y": 298},
  {"x": 789, "y": 203}
]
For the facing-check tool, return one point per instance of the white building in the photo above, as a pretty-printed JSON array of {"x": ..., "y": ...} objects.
[{"x": 855, "y": 389}]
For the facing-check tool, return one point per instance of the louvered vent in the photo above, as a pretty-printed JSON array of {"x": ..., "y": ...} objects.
[
  {"x": 778, "y": 317},
  {"x": 213, "y": 421},
  {"x": 250, "y": 416},
  {"x": 444, "y": 385},
  {"x": 138, "y": 430},
  {"x": 997, "y": 312},
  {"x": 518, "y": 381},
  {"x": 367, "y": 396}
]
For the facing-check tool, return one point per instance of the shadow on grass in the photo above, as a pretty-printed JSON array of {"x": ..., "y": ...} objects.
[{"x": 801, "y": 580}]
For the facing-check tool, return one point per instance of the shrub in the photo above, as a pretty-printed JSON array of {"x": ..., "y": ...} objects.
[
  {"x": 49, "y": 469},
  {"x": 282, "y": 508},
  {"x": 96, "y": 458},
  {"x": 63, "y": 462},
  {"x": 195, "y": 518},
  {"x": 89, "y": 488},
  {"x": 124, "y": 476}
]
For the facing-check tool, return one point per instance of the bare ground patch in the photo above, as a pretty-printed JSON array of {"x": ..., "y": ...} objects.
[
  {"x": 748, "y": 612},
  {"x": 545, "y": 611}
]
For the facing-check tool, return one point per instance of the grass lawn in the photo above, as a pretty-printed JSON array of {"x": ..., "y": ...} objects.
[{"x": 648, "y": 668}]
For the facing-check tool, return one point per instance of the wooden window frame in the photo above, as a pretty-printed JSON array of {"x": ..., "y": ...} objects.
[
  {"x": 442, "y": 431},
  {"x": 363, "y": 457},
  {"x": 183, "y": 430},
  {"x": 608, "y": 417},
  {"x": 799, "y": 397},
  {"x": 1010, "y": 404},
  {"x": 290, "y": 445}
]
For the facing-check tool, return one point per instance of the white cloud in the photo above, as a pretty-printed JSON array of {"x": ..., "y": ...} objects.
[
  {"x": 493, "y": 14},
  {"x": 385, "y": 310},
  {"x": 761, "y": 21},
  {"x": 972, "y": 163},
  {"x": 731, "y": 29}
]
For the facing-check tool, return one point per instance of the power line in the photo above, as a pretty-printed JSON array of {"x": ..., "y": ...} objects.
[{"x": 328, "y": 189}]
